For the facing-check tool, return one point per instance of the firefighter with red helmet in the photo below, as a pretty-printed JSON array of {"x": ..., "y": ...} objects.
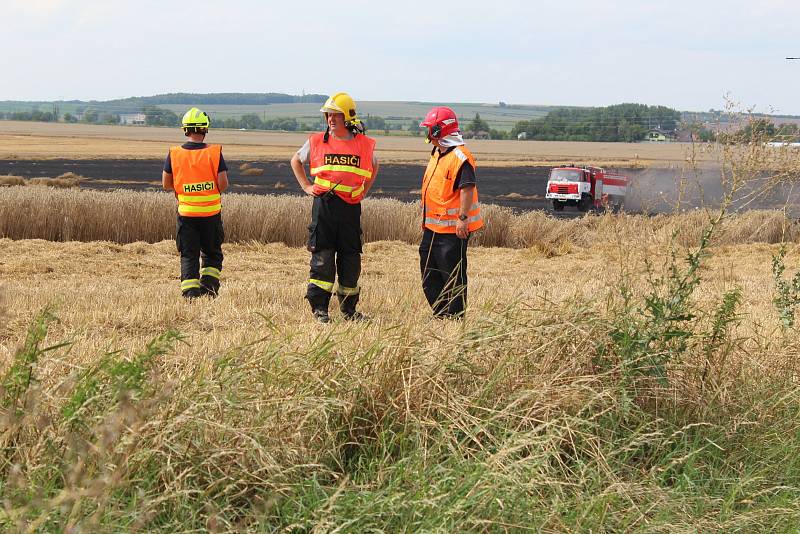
[
  {"x": 343, "y": 166},
  {"x": 196, "y": 172},
  {"x": 450, "y": 213}
]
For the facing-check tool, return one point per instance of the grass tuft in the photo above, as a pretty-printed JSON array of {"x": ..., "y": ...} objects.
[{"x": 9, "y": 180}]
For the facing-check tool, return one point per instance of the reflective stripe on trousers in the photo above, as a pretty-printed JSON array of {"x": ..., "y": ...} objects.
[
  {"x": 192, "y": 283},
  {"x": 322, "y": 284},
  {"x": 347, "y": 291},
  {"x": 210, "y": 271}
]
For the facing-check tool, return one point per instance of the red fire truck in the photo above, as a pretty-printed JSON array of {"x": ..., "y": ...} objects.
[{"x": 586, "y": 188}]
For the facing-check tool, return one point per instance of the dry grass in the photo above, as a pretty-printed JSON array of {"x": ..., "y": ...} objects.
[
  {"x": 80, "y": 141},
  {"x": 127, "y": 216},
  {"x": 396, "y": 420},
  {"x": 519, "y": 196},
  {"x": 90, "y": 281},
  {"x": 70, "y": 176},
  {"x": 68, "y": 180},
  {"x": 253, "y": 171},
  {"x": 12, "y": 180}
]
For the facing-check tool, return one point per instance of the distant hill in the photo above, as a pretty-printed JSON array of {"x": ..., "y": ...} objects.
[
  {"x": 249, "y": 99},
  {"x": 232, "y": 108},
  {"x": 301, "y": 112},
  {"x": 136, "y": 103}
]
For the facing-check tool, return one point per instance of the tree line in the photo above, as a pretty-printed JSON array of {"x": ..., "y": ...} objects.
[
  {"x": 567, "y": 124},
  {"x": 766, "y": 130},
  {"x": 754, "y": 130},
  {"x": 618, "y": 123},
  {"x": 34, "y": 115}
]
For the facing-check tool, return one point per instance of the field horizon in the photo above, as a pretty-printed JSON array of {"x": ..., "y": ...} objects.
[{"x": 30, "y": 140}]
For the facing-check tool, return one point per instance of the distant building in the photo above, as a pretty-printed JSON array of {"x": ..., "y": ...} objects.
[
  {"x": 657, "y": 135},
  {"x": 132, "y": 118},
  {"x": 480, "y": 134},
  {"x": 684, "y": 135}
]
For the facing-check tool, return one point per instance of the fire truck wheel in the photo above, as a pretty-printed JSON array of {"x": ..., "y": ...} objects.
[
  {"x": 558, "y": 206},
  {"x": 585, "y": 203}
]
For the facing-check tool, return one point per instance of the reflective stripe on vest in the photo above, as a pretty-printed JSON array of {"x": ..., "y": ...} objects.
[
  {"x": 339, "y": 188},
  {"x": 454, "y": 211},
  {"x": 189, "y": 210},
  {"x": 205, "y": 198},
  {"x": 342, "y": 168},
  {"x": 341, "y": 165},
  {"x": 195, "y": 180},
  {"x": 441, "y": 202},
  {"x": 450, "y": 222}
]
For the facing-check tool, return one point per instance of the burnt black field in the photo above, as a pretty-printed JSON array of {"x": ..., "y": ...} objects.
[{"x": 521, "y": 188}]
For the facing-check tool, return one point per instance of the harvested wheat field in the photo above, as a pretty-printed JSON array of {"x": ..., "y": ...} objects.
[{"x": 28, "y": 140}]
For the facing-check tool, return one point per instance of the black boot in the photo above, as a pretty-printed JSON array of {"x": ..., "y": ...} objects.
[
  {"x": 347, "y": 305},
  {"x": 319, "y": 299},
  {"x": 209, "y": 286},
  {"x": 321, "y": 316},
  {"x": 193, "y": 293}
]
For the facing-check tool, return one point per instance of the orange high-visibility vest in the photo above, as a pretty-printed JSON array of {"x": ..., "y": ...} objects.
[
  {"x": 194, "y": 178},
  {"x": 441, "y": 202},
  {"x": 343, "y": 166}
]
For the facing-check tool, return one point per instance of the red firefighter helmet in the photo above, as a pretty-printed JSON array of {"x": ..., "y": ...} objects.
[{"x": 441, "y": 121}]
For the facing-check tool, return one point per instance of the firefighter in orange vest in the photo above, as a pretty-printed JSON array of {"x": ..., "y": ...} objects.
[
  {"x": 197, "y": 173},
  {"x": 450, "y": 213},
  {"x": 343, "y": 166}
]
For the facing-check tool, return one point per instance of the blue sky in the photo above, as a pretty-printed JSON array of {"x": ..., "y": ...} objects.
[{"x": 686, "y": 55}]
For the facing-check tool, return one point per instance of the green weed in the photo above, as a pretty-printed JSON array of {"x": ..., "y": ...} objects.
[{"x": 787, "y": 292}]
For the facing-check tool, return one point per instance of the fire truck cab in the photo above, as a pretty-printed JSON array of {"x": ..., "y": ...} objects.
[{"x": 586, "y": 188}]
